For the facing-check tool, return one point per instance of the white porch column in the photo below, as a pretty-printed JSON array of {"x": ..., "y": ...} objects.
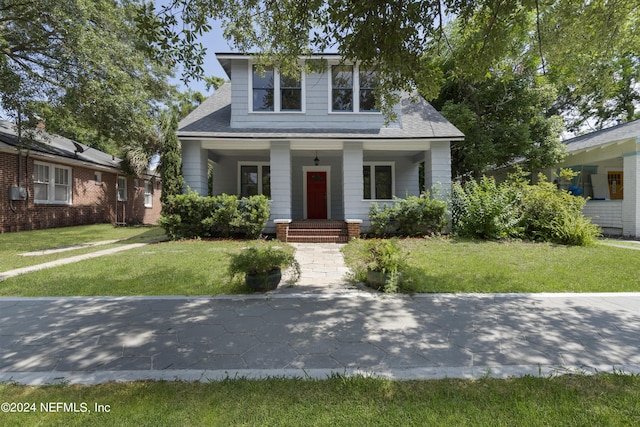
[
  {"x": 194, "y": 167},
  {"x": 437, "y": 169},
  {"x": 352, "y": 181},
  {"x": 631, "y": 202},
  {"x": 281, "y": 180}
]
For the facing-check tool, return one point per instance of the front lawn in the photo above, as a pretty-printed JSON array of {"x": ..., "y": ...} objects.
[
  {"x": 457, "y": 265},
  {"x": 12, "y": 245},
  {"x": 191, "y": 267},
  {"x": 602, "y": 400}
]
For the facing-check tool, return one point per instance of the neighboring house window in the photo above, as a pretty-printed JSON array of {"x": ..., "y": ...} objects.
[
  {"x": 97, "y": 177},
  {"x": 347, "y": 80},
  {"x": 378, "y": 181},
  {"x": 52, "y": 183},
  {"x": 122, "y": 189},
  {"x": 272, "y": 91},
  {"x": 148, "y": 193},
  {"x": 255, "y": 179}
]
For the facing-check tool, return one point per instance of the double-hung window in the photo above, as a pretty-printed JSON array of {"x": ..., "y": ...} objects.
[
  {"x": 255, "y": 178},
  {"x": 353, "y": 89},
  {"x": 148, "y": 193},
  {"x": 276, "y": 92},
  {"x": 368, "y": 82},
  {"x": 378, "y": 181},
  {"x": 52, "y": 183},
  {"x": 342, "y": 88},
  {"x": 122, "y": 189}
]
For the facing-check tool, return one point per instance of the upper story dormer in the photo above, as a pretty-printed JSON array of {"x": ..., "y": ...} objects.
[{"x": 339, "y": 96}]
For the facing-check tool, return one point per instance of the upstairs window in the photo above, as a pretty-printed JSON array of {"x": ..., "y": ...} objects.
[
  {"x": 272, "y": 91},
  {"x": 290, "y": 94},
  {"x": 368, "y": 85},
  {"x": 353, "y": 89},
  {"x": 263, "y": 86},
  {"x": 342, "y": 88}
]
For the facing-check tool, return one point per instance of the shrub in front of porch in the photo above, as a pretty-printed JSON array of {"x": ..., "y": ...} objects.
[
  {"x": 187, "y": 216},
  {"x": 412, "y": 216}
]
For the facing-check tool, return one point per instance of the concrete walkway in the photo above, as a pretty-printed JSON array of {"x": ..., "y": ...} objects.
[
  {"x": 319, "y": 327},
  {"x": 24, "y": 270}
]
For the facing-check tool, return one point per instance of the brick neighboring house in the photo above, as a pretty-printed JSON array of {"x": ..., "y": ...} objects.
[{"x": 56, "y": 182}]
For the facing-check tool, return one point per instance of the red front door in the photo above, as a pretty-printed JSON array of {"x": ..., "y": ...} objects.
[{"x": 316, "y": 195}]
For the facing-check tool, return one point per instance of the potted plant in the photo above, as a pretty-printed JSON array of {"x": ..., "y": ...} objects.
[
  {"x": 262, "y": 266},
  {"x": 385, "y": 262}
]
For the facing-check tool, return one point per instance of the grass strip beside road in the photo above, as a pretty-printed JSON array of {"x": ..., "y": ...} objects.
[{"x": 601, "y": 400}]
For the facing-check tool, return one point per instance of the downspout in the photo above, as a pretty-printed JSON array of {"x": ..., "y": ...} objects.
[{"x": 13, "y": 208}]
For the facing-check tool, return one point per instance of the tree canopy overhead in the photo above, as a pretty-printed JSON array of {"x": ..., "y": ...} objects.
[
  {"x": 81, "y": 66},
  {"x": 506, "y": 72},
  {"x": 575, "y": 42}
]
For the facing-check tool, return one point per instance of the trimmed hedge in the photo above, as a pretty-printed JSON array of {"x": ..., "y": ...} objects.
[
  {"x": 188, "y": 216},
  {"x": 412, "y": 216}
]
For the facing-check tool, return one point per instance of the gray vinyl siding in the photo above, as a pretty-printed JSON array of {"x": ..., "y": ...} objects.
[
  {"x": 194, "y": 167},
  {"x": 225, "y": 173},
  {"x": 316, "y": 113}
]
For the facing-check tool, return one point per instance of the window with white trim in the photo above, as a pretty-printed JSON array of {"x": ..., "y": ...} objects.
[
  {"x": 122, "y": 189},
  {"x": 342, "y": 88},
  {"x": 254, "y": 179},
  {"x": 275, "y": 92},
  {"x": 353, "y": 89},
  {"x": 148, "y": 193},
  {"x": 378, "y": 181},
  {"x": 97, "y": 177},
  {"x": 52, "y": 183}
]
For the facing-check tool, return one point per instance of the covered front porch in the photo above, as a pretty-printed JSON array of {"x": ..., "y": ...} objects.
[
  {"x": 334, "y": 180},
  {"x": 609, "y": 176}
]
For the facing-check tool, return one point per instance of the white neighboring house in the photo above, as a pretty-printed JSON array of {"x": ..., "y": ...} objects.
[
  {"x": 315, "y": 145},
  {"x": 609, "y": 164}
]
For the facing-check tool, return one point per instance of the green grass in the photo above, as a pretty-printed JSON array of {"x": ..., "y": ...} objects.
[
  {"x": 14, "y": 244},
  {"x": 200, "y": 267},
  {"x": 454, "y": 265},
  {"x": 168, "y": 268},
  {"x": 602, "y": 400}
]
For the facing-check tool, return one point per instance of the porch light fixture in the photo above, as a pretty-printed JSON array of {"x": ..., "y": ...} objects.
[{"x": 316, "y": 161}]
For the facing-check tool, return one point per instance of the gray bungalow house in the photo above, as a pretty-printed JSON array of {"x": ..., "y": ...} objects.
[
  {"x": 609, "y": 164},
  {"x": 315, "y": 145}
]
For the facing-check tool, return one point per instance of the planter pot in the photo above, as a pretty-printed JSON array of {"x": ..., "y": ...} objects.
[
  {"x": 377, "y": 279},
  {"x": 264, "y": 282}
]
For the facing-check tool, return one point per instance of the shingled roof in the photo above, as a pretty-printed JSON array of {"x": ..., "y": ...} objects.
[
  {"x": 614, "y": 134},
  {"x": 55, "y": 145},
  {"x": 417, "y": 120}
]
